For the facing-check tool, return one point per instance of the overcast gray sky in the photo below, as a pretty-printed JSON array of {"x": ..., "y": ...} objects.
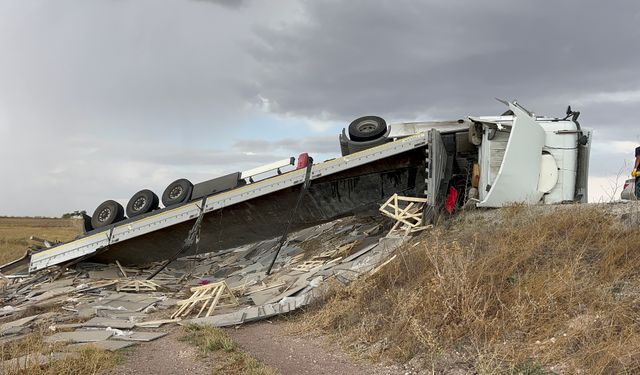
[{"x": 101, "y": 98}]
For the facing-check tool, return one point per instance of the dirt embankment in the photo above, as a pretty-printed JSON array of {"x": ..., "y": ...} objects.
[{"x": 517, "y": 290}]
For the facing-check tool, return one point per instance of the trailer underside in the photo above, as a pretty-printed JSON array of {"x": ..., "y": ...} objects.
[{"x": 359, "y": 190}]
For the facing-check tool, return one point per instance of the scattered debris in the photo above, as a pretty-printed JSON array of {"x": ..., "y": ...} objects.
[{"x": 112, "y": 307}]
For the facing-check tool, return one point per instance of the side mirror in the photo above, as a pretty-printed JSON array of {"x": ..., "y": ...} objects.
[{"x": 569, "y": 111}]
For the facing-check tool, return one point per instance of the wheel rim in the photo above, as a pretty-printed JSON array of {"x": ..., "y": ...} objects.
[
  {"x": 367, "y": 126},
  {"x": 176, "y": 192},
  {"x": 104, "y": 214},
  {"x": 139, "y": 203}
]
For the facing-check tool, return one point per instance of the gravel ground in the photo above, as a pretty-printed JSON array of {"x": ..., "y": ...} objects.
[
  {"x": 265, "y": 341},
  {"x": 166, "y": 355}
]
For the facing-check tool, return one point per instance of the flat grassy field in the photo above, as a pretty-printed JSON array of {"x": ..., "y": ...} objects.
[{"x": 15, "y": 233}]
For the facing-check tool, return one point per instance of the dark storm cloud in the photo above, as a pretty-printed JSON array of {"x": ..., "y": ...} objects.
[
  {"x": 99, "y": 99},
  {"x": 446, "y": 58}
]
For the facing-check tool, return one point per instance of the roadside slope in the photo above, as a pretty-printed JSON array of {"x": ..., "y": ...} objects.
[{"x": 519, "y": 290}]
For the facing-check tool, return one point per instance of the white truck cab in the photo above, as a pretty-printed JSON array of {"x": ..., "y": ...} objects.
[
  {"x": 531, "y": 159},
  {"x": 517, "y": 157}
]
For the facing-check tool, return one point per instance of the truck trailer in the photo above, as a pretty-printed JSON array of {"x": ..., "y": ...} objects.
[{"x": 489, "y": 161}]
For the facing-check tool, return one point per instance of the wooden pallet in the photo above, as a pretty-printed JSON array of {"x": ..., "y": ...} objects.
[
  {"x": 136, "y": 286},
  {"x": 210, "y": 295},
  {"x": 406, "y": 211}
]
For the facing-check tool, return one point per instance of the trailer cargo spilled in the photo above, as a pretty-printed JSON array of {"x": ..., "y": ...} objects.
[{"x": 485, "y": 161}]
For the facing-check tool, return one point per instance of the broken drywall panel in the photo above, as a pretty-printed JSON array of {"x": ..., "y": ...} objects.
[
  {"x": 55, "y": 292},
  {"x": 261, "y": 297},
  {"x": 16, "y": 326},
  {"x": 121, "y": 314},
  {"x": 107, "y": 273},
  {"x": 360, "y": 252},
  {"x": 79, "y": 336},
  {"x": 107, "y": 322},
  {"x": 300, "y": 284},
  {"x": 141, "y": 336}
]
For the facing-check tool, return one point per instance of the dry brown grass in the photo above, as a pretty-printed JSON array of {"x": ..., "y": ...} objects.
[
  {"x": 230, "y": 360},
  {"x": 554, "y": 292},
  {"x": 15, "y": 233},
  {"x": 85, "y": 361}
]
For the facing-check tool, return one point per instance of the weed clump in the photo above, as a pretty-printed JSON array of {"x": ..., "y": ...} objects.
[{"x": 230, "y": 359}]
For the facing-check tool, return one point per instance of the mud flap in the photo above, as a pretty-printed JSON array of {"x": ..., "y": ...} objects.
[{"x": 439, "y": 169}]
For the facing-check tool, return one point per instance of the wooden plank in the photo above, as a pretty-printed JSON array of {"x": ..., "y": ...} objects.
[
  {"x": 215, "y": 301},
  {"x": 266, "y": 288},
  {"x": 124, "y": 273},
  {"x": 308, "y": 265},
  {"x": 413, "y": 199},
  {"x": 156, "y": 323},
  {"x": 375, "y": 270}
]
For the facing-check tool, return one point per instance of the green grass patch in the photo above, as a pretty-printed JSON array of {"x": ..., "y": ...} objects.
[{"x": 229, "y": 358}]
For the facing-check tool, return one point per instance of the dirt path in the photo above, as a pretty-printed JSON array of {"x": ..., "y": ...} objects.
[
  {"x": 265, "y": 341},
  {"x": 166, "y": 355},
  {"x": 269, "y": 343}
]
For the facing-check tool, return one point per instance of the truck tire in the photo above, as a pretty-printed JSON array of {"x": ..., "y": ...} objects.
[
  {"x": 367, "y": 128},
  {"x": 107, "y": 213},
  {"x": 142, "y": 202},
  {"x": 177, "y": 192}
]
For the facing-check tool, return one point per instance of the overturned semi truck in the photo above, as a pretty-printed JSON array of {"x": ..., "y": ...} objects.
[{"x": 490, "y": 161}]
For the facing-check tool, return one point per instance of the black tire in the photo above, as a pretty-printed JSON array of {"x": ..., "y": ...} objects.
[
  {"x": 142, "y": 202},
  {"x": 367, "y": 128},
  {"x": 179, "y": 191},
  {"x": 107, "y": 213}
]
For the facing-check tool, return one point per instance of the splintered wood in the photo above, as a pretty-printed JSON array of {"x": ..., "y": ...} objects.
[
  {"x": 136, "y": 286},
  {"x": 406, "y": 211},
  {"x": 211, "y": 295},
  {"x": 344, "y": 250},
  {"x": 308, "y": 265}
]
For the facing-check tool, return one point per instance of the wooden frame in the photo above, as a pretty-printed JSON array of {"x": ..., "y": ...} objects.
[
  {"x": 406, "y": 211},
  {"x": 211, "y": 295},
  {"x": 136, "y": 286}
]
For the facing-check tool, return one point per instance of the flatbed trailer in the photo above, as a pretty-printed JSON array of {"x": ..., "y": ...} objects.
[{"x": 339, "y": 187}]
